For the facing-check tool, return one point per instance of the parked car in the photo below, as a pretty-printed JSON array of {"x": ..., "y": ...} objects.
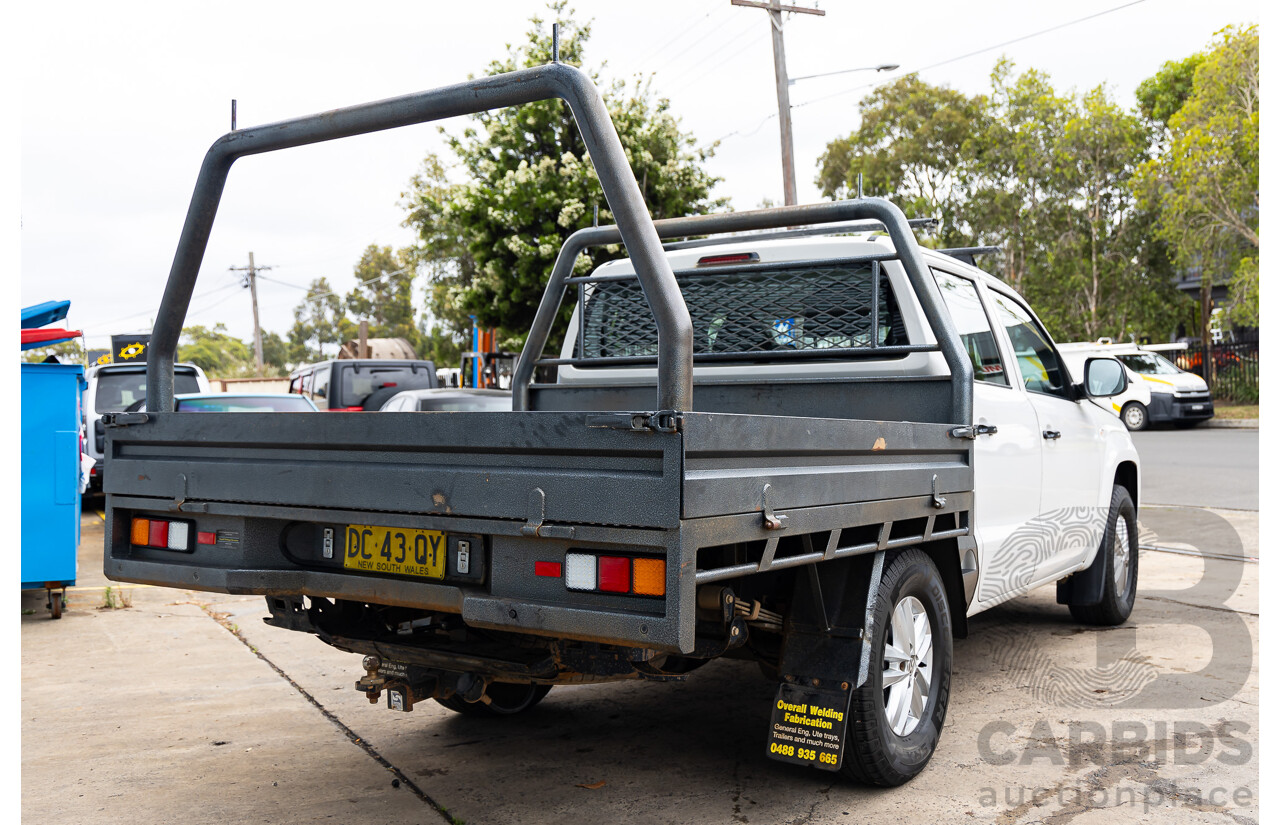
[
  {"x": 113, "y": 388},
  {"x": 1159, "y": 392},
  {"x": 354, "y": 384},
  {"x": 446, "y": 399},
  {"x": 234, "y": 402},
  {"x": 1131, "y": 405}
]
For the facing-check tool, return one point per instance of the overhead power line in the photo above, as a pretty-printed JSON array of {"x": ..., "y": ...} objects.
[
  {"x": 251, "y": 280},
  {"x": 775, "y": 9},
  {"x": 334, "y": 291},
  {"x": 975, "y": 53},
  {"x": 148, "y": 312},
  {"x": 685, "y": 32}
]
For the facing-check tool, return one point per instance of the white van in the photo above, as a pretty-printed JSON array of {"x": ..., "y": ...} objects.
[
  {"x": 111, "y": 388},
  {"x": 1159, "y": 392}
]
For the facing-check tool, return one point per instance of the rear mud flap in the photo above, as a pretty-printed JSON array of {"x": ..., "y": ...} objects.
[
  {"x": 1085, "y": 589},
  {"x": 808, "y": 726}
]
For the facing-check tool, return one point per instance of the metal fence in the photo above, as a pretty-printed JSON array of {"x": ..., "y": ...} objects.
[{"x": 1231, "y": 369}]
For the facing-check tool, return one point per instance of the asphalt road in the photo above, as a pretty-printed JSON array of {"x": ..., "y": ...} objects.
[{"x": 1199, "y": 467}]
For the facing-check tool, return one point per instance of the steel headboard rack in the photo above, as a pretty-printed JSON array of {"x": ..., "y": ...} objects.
[
  {"x": 879, "y": 210},
  {"x": 555, "y": 80}
]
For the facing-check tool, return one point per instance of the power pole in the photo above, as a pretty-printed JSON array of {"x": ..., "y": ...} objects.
[
  {"x": 251, "y": 281},
  {"x": 775, "y": 9}
]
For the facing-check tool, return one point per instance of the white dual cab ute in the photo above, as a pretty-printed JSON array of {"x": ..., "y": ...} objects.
[
  {"x": 1159, "y": 391},
  {"x": 817, "y": 446}
]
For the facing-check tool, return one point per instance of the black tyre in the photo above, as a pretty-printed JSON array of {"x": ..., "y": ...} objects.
[
  {"x": 1120, "y": 565},
  {"x": 889, "y": 742},
  {"x": 374, "y": 401},
  {"x": 1134, "y": 416},
  {"x": 506, "y": 699}
]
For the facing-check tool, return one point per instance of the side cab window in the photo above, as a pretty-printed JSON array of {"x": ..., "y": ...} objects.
[
  {"x": 1041, "y": 368},
  {"x": 961, "y": 297},
  {"x": 298, "y": 383},
  {"x": 321, "y": 388}
]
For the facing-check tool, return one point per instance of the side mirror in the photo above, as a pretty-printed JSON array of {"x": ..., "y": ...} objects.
[{"x": 1104, "y": 377}]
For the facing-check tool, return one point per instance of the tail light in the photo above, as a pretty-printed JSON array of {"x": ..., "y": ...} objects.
[
  {"x": 164, "y": 534},
  {"x": 589, "y": 572}
]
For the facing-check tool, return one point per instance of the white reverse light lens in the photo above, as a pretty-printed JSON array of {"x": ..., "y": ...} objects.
[
  {"x": 178, "y": 533},
  {"x": 579, "y": 571}
]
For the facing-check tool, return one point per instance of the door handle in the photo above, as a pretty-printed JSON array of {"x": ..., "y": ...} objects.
[
  {"x": 1051, "y": 434},
  {"x": 973, "y": 432}
]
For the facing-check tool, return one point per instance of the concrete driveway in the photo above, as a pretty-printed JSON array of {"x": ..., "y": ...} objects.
[{"x": 185, "y": 708}]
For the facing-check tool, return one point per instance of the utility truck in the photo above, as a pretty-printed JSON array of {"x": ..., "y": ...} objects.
[
  {"x": 1159, "y": 391},
  {"x": 816, "y": 446}
]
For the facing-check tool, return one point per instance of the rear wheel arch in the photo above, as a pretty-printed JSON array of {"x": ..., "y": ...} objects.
[
  {"x": 946, "y": 557},
  {"x": 1127, "y": 477}
]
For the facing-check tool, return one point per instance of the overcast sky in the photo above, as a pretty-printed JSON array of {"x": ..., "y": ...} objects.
[{"x": 121, "y": 100}]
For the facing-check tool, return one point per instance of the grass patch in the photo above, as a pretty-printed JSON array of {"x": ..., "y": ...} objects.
[
  {"x": 1235, "y": 411},
  {"x": 115, "y": 598}
]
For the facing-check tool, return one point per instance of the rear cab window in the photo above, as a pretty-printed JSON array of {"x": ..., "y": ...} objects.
[
  {"x": 358, "y": 382},
  {"x": 750, "y": 315},
  {"x": 961, "y": 297},
  {"x": 116, "y": 390}
]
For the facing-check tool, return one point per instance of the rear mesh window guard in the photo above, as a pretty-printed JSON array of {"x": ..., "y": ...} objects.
[{"x": 752, "y": 312}]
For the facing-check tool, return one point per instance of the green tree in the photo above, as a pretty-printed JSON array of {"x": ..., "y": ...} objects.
[
  {"x": 489, "y": 240},
  {"x": 68, "y": 352},
  {"x": 440, "y": 345},
  {"x": 909, "y": 146},
  {"x": 1010, "y": 181},
  {"x": 1051, "y": 185},
  {"x": 275, "y": 352},
  {"x": 319, "y": 320},
  {"x": 383, "y": 295},
  {"x": 1205, "y": 187},
  {"x": 1163, "y": 94},
  {"x": 1101, "y": 146},
  {"x": 216, "y": 352},
  {"x": 1043, "y": 176}
]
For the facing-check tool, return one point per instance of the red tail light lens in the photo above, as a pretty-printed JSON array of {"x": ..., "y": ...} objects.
[
  {"x": 614, "y": 574},
  {"x": 159, "y": 535}
]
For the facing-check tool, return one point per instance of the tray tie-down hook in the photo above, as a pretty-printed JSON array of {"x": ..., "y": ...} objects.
[
  {"x": 771, "y": 521},
  {"x": 537, "y": 511},
  {"x": 938, "y": 501}
]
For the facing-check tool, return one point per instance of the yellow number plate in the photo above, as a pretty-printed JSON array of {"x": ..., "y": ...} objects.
[{"x": 395, "y": 550}]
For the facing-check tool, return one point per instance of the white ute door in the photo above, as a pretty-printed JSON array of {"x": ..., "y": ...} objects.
[
  {"x": 1072, "y": 447},
  {"x": 1006, "y": 463}
]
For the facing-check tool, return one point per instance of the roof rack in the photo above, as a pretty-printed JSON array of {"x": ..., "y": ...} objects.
[
  {"x": 800, "y": 232},
  {"x": 968, "y": 253}
]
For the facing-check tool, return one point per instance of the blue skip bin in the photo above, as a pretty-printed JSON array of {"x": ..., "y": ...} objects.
[{"x": 51, "y": 396}]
